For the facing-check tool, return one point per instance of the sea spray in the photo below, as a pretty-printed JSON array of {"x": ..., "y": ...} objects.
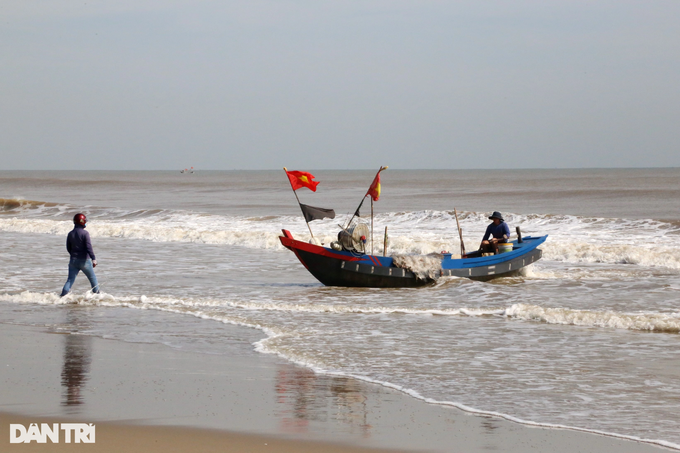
[{"x": 426, "y": 267}]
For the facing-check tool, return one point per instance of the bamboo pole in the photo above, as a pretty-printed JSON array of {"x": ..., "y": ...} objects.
[
  {"x": 385, "y": 243},
  {"x": 372, "y": 227},
  {"x": 460, "y": 234},
  {"x": 299, "y": 204}
]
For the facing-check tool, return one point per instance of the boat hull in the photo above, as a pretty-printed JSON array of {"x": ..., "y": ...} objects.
[
  {"x": 502, "y": 269},
  {"x": 334, "y": 268},
  {"x": 336, "y": 272}
]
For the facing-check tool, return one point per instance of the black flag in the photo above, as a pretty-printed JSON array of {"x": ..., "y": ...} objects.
[
  {"x": 312, "y": 213},
  {"x": 357, "y": 213}
]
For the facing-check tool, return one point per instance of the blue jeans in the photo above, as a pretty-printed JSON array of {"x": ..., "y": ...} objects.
[{"x": 76, "y": 265}]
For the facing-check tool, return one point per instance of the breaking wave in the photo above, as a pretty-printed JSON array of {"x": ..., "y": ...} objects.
[
  {"x": 651, "y": 322},
  {"x": 649, "y": 243},
  {"x": 158, "y": 231},
  {"x": 16, "y": 205},
  {"x": 639, "y": 254},
  {"x": 645, "y": 322}
]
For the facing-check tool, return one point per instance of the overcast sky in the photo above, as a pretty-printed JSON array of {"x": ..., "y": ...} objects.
[{"x": 338, "y": 84}]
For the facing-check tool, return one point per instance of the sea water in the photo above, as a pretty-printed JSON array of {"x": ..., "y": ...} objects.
[{"x": 587, "y": 338}]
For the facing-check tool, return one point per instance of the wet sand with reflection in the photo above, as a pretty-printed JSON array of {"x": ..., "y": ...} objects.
[{"x": 133, "y": 392}]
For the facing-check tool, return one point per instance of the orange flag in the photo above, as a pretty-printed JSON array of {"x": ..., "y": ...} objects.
[
  {"x": 374, "y": 190},
  {"x": 302, "y": 179}
]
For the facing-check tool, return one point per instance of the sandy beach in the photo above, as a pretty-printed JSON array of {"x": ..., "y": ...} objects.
[{"x": 149, "y": 397}]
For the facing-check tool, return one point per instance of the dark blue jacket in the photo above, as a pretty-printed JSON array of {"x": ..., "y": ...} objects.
[
  {"x": 78, "y": 243},
  {"x": 497, "y": 231}
]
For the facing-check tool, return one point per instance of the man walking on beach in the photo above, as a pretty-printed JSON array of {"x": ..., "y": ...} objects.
[{"x": 82, "y": 256}]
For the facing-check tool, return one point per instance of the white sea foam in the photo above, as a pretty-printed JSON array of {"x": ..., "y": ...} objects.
[
  {"x": 200, "y": 308},
  {"x": 643, "y": 255},
  {"x": 573, "y": 239},
  {"x": 652, "y": 322},
  {"x": 657, "y": 322},
  {"x": 343, "y": 309},
  {"x": 155, "y": 231},
  {"x": 27, "y": 297},
  {"x": 425, "y": 267}
]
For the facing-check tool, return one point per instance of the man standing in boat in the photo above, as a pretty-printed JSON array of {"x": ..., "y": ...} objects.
[
  {"x": 82, "y": 256},
  {"x": 496, "y": 233}
]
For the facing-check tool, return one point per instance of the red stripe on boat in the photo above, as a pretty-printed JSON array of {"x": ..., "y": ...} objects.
[{"x": 293, "y": 244}]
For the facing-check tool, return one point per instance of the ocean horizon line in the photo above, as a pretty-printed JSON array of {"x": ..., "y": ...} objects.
[{"x": 345, "y": 169}]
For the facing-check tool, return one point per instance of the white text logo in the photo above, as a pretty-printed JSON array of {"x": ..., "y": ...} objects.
[{"x": 73, "y": 432}]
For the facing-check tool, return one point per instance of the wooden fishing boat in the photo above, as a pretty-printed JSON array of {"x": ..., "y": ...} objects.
[
  {"x": 346, "y": 262},
  {"x": 352, "y": 269}
]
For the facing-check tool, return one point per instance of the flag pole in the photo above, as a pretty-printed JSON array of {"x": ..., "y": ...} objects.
[
  {"x": 300, "y": 204},
  {"x": 355, "y": 212},
  {"x": 372, "y": 226}
]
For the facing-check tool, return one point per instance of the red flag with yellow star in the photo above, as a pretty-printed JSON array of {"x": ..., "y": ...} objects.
[
  {"x": 374, "y": 190},
  {"x": 300, "y": 179}
]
